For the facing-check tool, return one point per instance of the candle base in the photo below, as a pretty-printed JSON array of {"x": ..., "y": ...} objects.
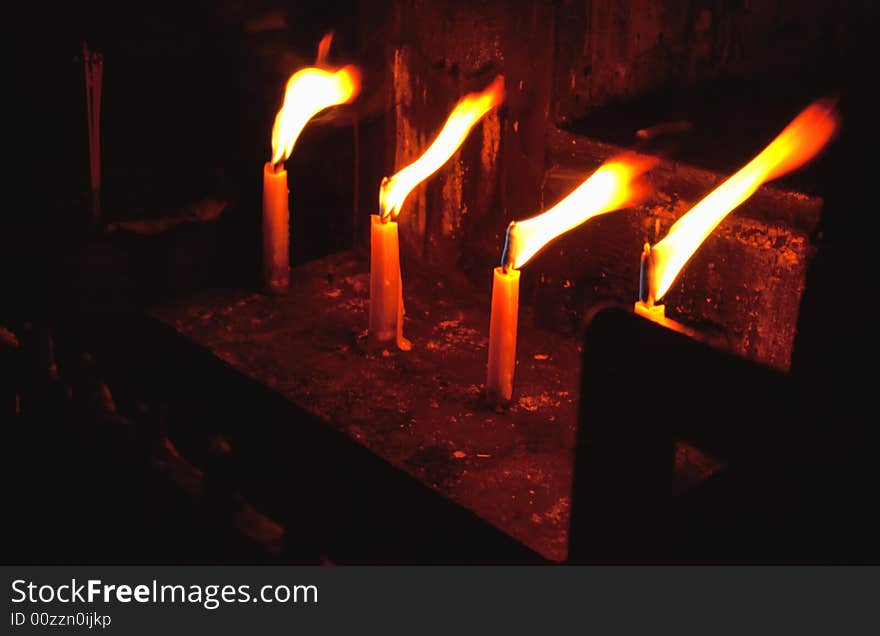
[
  {"x": 276, "y": 286},
  {"x": 383, "y": 341},
  {"x": 377, "y": 340},
  {"x": 657, "y": 313},
  {"x": 497, "y": 400},
  {"x": 652, "y": 312}
]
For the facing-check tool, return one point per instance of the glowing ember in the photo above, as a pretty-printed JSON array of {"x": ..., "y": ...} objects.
[
  {"x": 467, "y": 112},
  {"x": 613, "y": 186},
  {"x": 309, "y": 91},
  {"x": 798, "y": 143}
]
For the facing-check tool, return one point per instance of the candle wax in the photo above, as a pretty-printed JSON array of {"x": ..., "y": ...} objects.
[
  {"x": 657, "y": 313},
  {"x": 276, "y": 230},
  {"x": 386, "y": 285},
  {"x": 502, "y": 335},
  {"x": 652, "y": 312}
]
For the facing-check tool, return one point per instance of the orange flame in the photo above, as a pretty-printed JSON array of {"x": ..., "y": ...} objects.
[
  {"x": 467, "y": 112},
  {"x": 613, "y": 186},
  {"x": 801, "y": 140},
  {"x": 309, "y": 91}
]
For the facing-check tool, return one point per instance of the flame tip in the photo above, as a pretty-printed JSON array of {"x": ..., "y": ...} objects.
[
  {"x": 801, "y": 141},
  {"x": 324, "y": 48}
]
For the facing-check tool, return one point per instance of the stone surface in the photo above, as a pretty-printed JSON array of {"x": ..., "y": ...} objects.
[{"x": 423, "y": 410}]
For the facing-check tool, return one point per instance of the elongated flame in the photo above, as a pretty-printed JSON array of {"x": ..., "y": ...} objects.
[
  {"x": 467, "y": 112},
  {"x": 309, "y": 91},
  {"x": 613, "y": 186},
  {"x": 801, "y": 140}
]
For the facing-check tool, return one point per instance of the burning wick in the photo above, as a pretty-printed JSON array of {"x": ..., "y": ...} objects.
[
  {"x": 800, "y": 142},
  {"x": 615, "y": 185},
  {"x": 309, "y": 91},
  {"x": 386, "y": 284}
]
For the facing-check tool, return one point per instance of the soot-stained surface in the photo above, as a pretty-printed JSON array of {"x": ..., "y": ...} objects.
[{"x": 421, "y": 410}]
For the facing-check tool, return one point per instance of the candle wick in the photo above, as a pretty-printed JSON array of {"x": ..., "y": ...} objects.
[
  {"x": 277, "y": 167},
  {"x": 646, "y": 273},
  {"x": 507, "y": 255}
]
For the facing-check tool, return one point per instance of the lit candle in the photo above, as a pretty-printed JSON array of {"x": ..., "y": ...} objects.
[
  {"x": 798, "y": 143},
  {"x": 646, "y": 307},
  {"x": 613, "y": 186},
  {"x": 386, "y": 291},
  {"x": 276, "y": 229},
  {"x": 308, "y": 92},
  {"x": 645, "y": 304},
  {"x": 386, "y": 284},
  {"x": 502, "y": 335}
]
